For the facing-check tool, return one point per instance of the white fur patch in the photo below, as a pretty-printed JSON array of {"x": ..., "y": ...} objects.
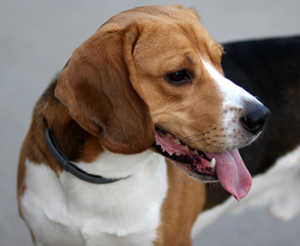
[
  {"x": 68, "y": 211},
  {"x": 233, "y": 94},
  {"x": 277, "y": 189},
  {"x": 234, "y": 100}
]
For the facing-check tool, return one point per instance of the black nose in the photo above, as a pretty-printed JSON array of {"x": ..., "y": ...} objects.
[{"x": 255, "y": 117}]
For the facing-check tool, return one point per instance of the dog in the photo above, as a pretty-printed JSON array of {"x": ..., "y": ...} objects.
[
  {"x": 119, "y": 141},
  {"x": 268, "y": 68}
]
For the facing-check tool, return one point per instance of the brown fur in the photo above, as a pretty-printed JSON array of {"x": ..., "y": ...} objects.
[
  {"x": 102, "y": 100},
  {"x": 185, "y": 200},
  {"x": 112, "y": 91},
  {"x": 76, "y": 143}
]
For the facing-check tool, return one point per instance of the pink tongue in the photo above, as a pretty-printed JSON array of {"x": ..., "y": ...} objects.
[
  {"x": 232, "y": 173},
  {"x": 231, "y": 170}
]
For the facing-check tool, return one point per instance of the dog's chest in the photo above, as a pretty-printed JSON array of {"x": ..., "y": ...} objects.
[{"x": 67, "y": 211}]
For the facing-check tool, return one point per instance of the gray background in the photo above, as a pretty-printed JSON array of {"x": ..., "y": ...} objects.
[{"x": 36, "y": 39}]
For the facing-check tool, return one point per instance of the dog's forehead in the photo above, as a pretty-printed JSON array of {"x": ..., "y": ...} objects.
[{"x": 163, "y": 42}]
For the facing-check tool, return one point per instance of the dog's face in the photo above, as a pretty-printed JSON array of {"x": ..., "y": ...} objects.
[
  {"x": 179, "y": 76},
  {"x": 152, "y": 77}
]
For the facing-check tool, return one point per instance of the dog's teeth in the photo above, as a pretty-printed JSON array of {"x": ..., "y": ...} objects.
[
  {"x": 186, "y": 147},
  {"x": 212, "y": 163},
  {"x": 177, "y": 140}
]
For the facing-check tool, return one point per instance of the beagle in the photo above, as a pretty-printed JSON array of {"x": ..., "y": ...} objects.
[
  {"x": 121, "y": 138},
  {"x": 268, "y": 68}
]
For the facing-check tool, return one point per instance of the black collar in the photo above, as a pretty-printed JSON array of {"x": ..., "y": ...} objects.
[{"x": 70, "y": 167}]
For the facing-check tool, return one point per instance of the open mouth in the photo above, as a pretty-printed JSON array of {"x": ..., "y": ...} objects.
[
  {"x": 193, "y": 160},
  {"x": 226, "y": 167}
]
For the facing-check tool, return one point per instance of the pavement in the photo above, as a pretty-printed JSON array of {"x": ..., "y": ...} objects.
[{"x": 37, "y": 38}]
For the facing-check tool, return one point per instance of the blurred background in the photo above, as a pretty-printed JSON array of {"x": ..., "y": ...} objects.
[{"x": 37, "y": 38}]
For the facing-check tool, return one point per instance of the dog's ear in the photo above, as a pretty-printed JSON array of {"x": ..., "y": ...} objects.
[{"x": 96, "y": 89}]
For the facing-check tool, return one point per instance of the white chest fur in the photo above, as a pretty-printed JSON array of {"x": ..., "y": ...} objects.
[{"x": 68, "y": 211}]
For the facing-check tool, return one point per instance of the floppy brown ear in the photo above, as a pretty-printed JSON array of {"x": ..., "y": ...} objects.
[{"x": 96, "y": 89}]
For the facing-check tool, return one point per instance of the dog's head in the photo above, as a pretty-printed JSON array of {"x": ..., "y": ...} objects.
[{"x": 152, "y": 76}]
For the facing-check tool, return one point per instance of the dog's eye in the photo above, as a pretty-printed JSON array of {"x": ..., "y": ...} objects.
[{"x": 179, "y": 77}]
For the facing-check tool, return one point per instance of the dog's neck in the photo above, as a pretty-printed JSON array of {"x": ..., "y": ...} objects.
[
  {"x": 113, "y": 165},
  {"x": 76, "y": 143}
]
